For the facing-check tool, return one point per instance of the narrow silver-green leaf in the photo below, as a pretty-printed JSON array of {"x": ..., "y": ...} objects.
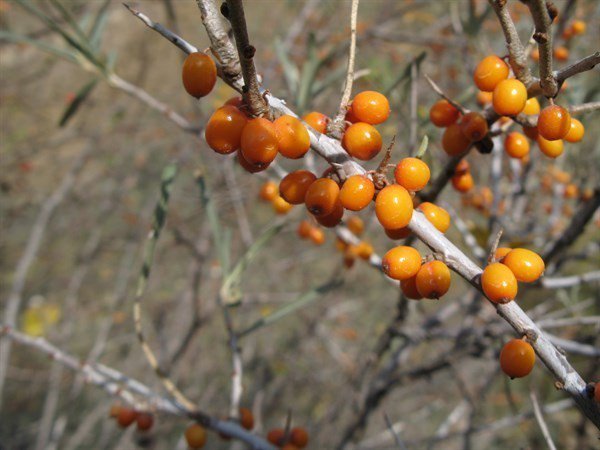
[{"x": 73, "y": 107}]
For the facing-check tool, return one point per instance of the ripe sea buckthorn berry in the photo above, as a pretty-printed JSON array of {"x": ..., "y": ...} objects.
[
  {"x": 268, "y": 191},
  {"x": 454, "y": 142},
  {"x": 350, "y": 117},
  {"x": 199, "y": 74},
  {"x": 561, "y": 53},
  {"x": 443, "y": 114},
  {"x": 259, "y": 141},
  {"x": 322, "y": 197},
  {"x": 409, "y": 288},
  {"x": 144, "y": 421},
  {"x": 527, "y": 266},
  {"x": 250, "y": 167},
  {"x": 224, "y": 129},
  {"x": 195, "y": 436},
  {"x": 126, "y": 417},
  {"x": 535, "y": 54},
  {"x": 399, "y": 233},
  {"x": 280, "y": 205},
  {"x": 357, "y": 192},
  {"x": 317, "y": 236},
  {"x": 304, "y": 229},
  {"x": 317, "y": 121},
  {"x": 334, "y": 217},
  {"x": 554, "y": 122},
  {"x": 362, "y": 141},
  {"x": 499, "y": 283},
  {"x": 462, "y": 167},
  {"x": 489, "y": 72},
  {"x": 363, "y": 250},
  {"x": 474, "y": 126},
  {"x": 532, "y": 107},
  {"x": 236, "y": 101},
  {"x": 371, "y": 107},
  {"x": 356, "y": 225},
  {"x": 571, "y": 191},
  {"x": 294, "y": 185},
  {"x": 437, "y": 215},
  {"x": 516, "y": 145},
  {"x": 433, "y": 279},
  {"x": 393, "y": 207},
  {"x": 576, "y": 131},
  {"x": 401, "y": 262},
  {"x": 531, "y": 132},
  {"x": 463, "y": 183},
  {"x": 246, "y": 418},
  {"x": 501, "y": 252},
  {"x": 340, "y": 245},
  {"x": 276, "y": 436},
  {"x": 509, "y": 97},
  {"x": 552, "y": 149},
  {"x": 412, "y": 173},
  {"x": 299, "y": 437},
  {"x": 578, "y": 27},
  {"x": 517, "y": 358},
  {"x": 292, "y": 137},
  {"x": 484, "y": 98}
]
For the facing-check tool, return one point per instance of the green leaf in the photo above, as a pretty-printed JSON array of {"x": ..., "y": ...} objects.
[
  {"x": 73, "y": 107},
  {"x": 290, "y": 71},
  {"x": 99, "y": 25},
  {"x": 422, "y": 147},
  {"x": 230, "y": 293},
  {"x": 48, "y": 48}
]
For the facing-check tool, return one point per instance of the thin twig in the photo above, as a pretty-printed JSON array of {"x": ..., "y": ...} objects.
[
  {"x": 441, "y": 93},
  {"x": 584, "y": 108},
  {"x": 541, "y": 422},
  {"x": 543, "y": 36}
]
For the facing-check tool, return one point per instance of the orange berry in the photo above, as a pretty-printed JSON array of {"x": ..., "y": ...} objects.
[
  {"x": 280, "y": 205},
  {"x": 350, "y": 117},
  {"x": 199, "y": 74},
  {"x": 443, "y": 114},
  {"x": 236, "y": 101},
  {"x": 463, "y": 183},
  {"x": 268, "y": 191},
  {"x": 532, "y": 107},
  {"x": 489, "y": 72},
  {"x": 317, "y": 121},
  {"x": 554, "y": 122},
  {"x": 144, "y": 421},
  {"x": 454, "y": 141},
  {"x": 409, "y": 288},
  {"x": 340, "y": 245},
  {"x": 363, "y": 250},
  {"x": 531, "y": 132},
  {"x": 357, "y": 192},
  {"x": 399, "y": 233},
  {"x": 356, "y": 225},
  {"x": 322, "y": 196},
  {"x": 362, "y": 141},
  {"x": 561, "y": 53},
  {"x": 571, "y": 191},
  {"x": 484, "y": 98},
  {"x": 195, "y": 436},
  {"x": 499, "y": 283},
  {"x": 276, "y": 436},
  {"x": 114, "y": 411},
  {"x": 437, "y": 215},
  {"x": 224, "y": 129},
  {"x": 517, "y": 358},
  {"x": 299, "y": 437},
  {"x": 552, "y": 149},
  {"x": 462, "y": 167},
  {"x": 317, "y": 236},
  {"x": 535, "y": 54},
  {"x": 334, "y": 217},
  {"x": 250, "y": 167},
  {"x": 509, "y": 97},
  {"x": 576, "y": 131},
  {"x": 246, "y": 418},
  {"x": 259, "y": 141},
  {"x": 474, "y": 126},
  {"x": 126, "y": 417},
  {"x": 393, "y": 207},
  {"x": 516, "y": 145},
  {"x": 587, "y": 194},
  {"x": 401, "y": 262},
  {"x": 578, "y": 27},
  {"x": 433, "y": 279},
  {"x": 294, "y": 185},
  {"x": 371, "y": 107},
  {"x": 412, "y": 173},
  {"x": 292, "y": 137},
  {"x": 304, "y": 229},
  {"x": 501, "y": 252},
  {"x": 527, "y": 266}
]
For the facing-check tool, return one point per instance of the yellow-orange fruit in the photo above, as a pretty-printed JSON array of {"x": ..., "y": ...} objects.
[
  {"x": 393, "y": 207},
  {"x": 224, "y": 129},
  {"x": 433, "y": 279},
  {"x": 463, "y": 183},
  {"x": 509, "y": 97},
  {"x": 269, "y": 191},
  {"x": 333, "y": 218},
  {"x": 280, "y": 206},
  {"x": 554, "y": 122},
  {"x": 357, "y": 192},
  {"x": 292, "y": 137},
  {"x": 454, "y": 142},
  {"x": 576, "y": 131},
  {"x": 399, "y": 233},
  {"x": 294, "y": 185},
  {"x": 317, "y": 236},
  {"x": 437, "y": 215},
  {"x": 532, "y": 107},
  {"x": 362, "y": 141},
  {"x": 304, "y": 229},
  {"x": 552, "y": 149},
  {"x": 412, "y": 173},
  {"x": 517, "y": 358},
  {"x": 489, "y": 72},
  {"x": 195, "y": 436},
  {"x": 317, "y": 121},
  {"x": 401, "y": 262},
  {"x": 322, "y": 196},
  {"x": 474, "y": 126},
  {"x": 516, "y": 145},
  {"x": 443, "y": 114},
  {"x": 356, "y": 225},
  {"x": 527, "y": 266},
  {"x": 199, "y": 74},
  {"x": 259, "y": 141},
  {"x": 371, "y": 107},
  {"x": 499, "y": 283},
  {"x": 409, "y": 288}
]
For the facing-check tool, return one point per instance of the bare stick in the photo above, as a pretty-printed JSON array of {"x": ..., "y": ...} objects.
[
  {"x": 335, "y": 128},
  {"x": 540, "y": 420},
  {"x": 441, "y": 93},
  {"x": 584, "y": 107},
  {"x": 583, "y": 65},
  {"x": 543, "y": 36}
]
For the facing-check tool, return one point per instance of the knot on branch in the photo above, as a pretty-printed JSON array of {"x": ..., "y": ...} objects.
[
  {"x": 540, "y": 38},
  {"x": 249, "y": 51}
]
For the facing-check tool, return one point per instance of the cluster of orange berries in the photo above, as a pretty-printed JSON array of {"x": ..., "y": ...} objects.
[
  {"x": 126, "y": 416},
  {"x": 195, "y": 434},
  {"x": 351, "y": 252},
  {"x": 293, "y": 439}
]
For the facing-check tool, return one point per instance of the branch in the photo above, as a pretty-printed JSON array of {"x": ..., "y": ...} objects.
[
  {"x": 584, "y": 107},
  {"x": 543, "y": 36},
  {"x": 573, "y": 280},
  {"x": 583, "y": 65}
]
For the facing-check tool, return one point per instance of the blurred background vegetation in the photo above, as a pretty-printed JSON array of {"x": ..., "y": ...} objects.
[{"x": 80, "y": 287}]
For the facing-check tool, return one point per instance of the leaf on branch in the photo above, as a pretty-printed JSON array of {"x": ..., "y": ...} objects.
[{"x": 73, "y": 107}]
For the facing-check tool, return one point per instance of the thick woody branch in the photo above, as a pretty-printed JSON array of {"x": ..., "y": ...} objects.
[
  {"x": 543, "y": 36},
  {"x": 251, "y": 89},
  {"x": 516, "y": 51}
]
